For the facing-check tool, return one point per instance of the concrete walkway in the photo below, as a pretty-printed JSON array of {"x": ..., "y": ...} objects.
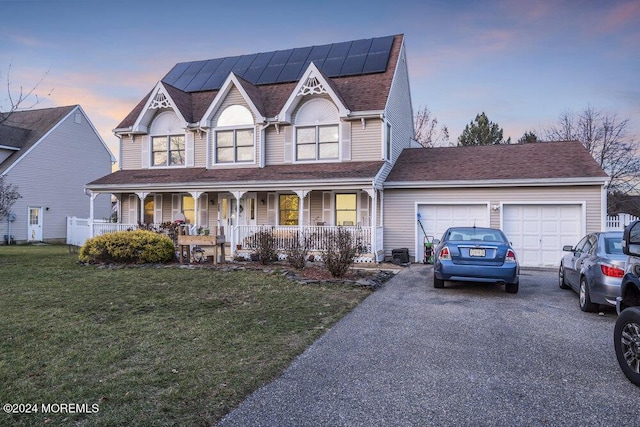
[{"x": 412, "y": 355}]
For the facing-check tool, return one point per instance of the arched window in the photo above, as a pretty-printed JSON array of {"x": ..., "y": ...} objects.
[
  {"x": 317, "y": 133},
  {"x": 167, "y": 140},
  {"x": 234, "y": 140}
]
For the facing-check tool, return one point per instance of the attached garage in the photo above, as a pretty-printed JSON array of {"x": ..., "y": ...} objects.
[
  {"x": 539, "y": 231},
  {"x": 436, "y": 218},
  {"x": 541, "y": 202}
]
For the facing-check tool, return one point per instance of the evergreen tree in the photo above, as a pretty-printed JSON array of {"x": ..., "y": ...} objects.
[{"x": 482, "y": 132}]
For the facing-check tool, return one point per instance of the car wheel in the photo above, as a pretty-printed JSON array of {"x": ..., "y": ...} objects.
[
  {"x": 561, "y": 282},
  {"x": 437, "y": 283},
  {"x": 511, "y": 288},
  {"x": 585, "y": 301},
  {"x": 626, "y": 341}
]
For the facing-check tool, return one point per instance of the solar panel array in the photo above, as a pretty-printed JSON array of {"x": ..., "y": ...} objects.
[{"x": 351, "y": 58}]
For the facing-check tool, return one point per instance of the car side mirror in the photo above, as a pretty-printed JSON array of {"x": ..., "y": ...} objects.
[
  {"x": 631, "y": 239},
  {"x": 567, "y": 248},
  {"x": 436, "y": 242}
]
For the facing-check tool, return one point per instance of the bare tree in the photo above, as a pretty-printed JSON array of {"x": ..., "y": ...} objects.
[
  {"x": 8, "y": 196},
  {"x": 427, "y": 130},
  {"x": 21, "y": 99},
  {"x": 606, "y": 137}
]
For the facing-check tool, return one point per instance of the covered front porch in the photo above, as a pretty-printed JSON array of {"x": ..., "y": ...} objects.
[{"x": 310, "y": 214}]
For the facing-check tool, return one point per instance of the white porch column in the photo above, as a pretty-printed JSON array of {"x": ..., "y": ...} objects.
[
  {"x": 301, "y": 195},
  {"x": 92, "y": 198},
  {"x": 373, "y": 193},
  {"x": 142, "y": 196},
  {"x": 234, "y": 233},
  {"x": 196, "y": 207}
]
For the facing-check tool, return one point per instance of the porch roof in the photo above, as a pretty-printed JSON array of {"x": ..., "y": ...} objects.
[{"x": 307, "y": 174}]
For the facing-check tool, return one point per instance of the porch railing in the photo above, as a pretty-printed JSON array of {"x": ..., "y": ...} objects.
[{"x": 318, "y": 237}]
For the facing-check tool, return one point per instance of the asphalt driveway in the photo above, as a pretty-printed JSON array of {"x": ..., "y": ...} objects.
[{"x": 412, "y": 355}]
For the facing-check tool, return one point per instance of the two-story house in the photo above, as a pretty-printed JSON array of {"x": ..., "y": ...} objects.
[
  {"x": 294, "y": 139},
  {"x": 314, "y": 138},
  {"x": 49, "y": 154}
]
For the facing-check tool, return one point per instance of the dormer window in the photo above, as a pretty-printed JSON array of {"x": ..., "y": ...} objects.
[
  {"x": 167, "y": 150},
  {"x": 234, "y": 136},
  {"x": 317, "y": 135},
  {"x": 167, "y": 140}
]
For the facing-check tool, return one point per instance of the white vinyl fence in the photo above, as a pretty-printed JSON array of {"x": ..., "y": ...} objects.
[{"x": 618, "y": 222}]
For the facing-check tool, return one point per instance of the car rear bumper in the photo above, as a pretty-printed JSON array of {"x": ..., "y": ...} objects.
[
  {"x": 604, "y": 289},
  {"x": 506, "y": 273},
  {"x": 619, "y": 305}
]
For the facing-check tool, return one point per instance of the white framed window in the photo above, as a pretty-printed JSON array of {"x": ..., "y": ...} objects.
[
  {"x": 387, "y": 139},
  {"x": 234, "y": 136},
  {"x": 317, "y": 131},
  {"x": 167, "y": 150},
  {"x": 317, "y": 142},
  {"x": 167, "y": 144},
  {"x": 346, "y": 209}
]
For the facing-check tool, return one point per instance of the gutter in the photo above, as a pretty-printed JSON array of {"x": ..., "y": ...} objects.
[{"x": 495, "y": 183}]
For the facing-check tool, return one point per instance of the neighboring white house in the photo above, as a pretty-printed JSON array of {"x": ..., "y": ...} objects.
[
  {"x": 304, "y": 139},
  {"x": 49, "y": 155}
]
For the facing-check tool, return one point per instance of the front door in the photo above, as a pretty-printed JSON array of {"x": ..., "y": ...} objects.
[
  {"x": 34, "y": 232},
  {"x": 249, "y": 210}
]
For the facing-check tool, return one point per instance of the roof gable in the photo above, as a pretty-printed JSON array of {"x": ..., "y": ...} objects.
[
  {"x": 570, "y": 160},
  {"x": 248, "y": 92},
  {"x": 162, "y": 97},
  {"x": 24, "y": 129}
]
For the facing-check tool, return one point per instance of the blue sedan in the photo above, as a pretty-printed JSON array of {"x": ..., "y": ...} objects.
[{"x": 475, "y": 254}]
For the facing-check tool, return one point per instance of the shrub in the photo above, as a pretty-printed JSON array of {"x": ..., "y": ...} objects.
[
  {"x": 297, "y": 250},
  {"x": 341, "y": 252},
  {"x": 138, "y": 247},
  {"x": 266, "y": 247}
]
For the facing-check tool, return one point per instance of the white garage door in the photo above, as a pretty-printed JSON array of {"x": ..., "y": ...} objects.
[
  {"x": 437, "y": 218},
  {"x": 538, "y": 232}
]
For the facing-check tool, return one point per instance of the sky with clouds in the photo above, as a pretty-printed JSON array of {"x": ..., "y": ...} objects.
[{"x": 522, "y": 62}]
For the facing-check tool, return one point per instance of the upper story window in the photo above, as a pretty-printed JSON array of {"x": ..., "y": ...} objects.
[
  {"x": 317, "y": 135},
  {"x": 167, "y": 150},
  {"x": 234, "y": 136},
  {"x": 167, "y": 140}
]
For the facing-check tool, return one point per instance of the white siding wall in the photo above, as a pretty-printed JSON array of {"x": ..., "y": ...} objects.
[
  {"x": 200, "y": 150},
  {"x": 399, "y": 111},
  {"x": 274, "y": 146},
  {"x": 400, "y": 215},
  {"x": 54, "y": 174}
]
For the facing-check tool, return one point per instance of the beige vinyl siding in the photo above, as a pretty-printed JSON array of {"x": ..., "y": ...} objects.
[
  {"x": 200, "y": 150},
  {"x": 52, "y": 175},
  {"x": 398, "y": 110},
  {"x": 366, "y": 144},
  {"x": 131, "y": 152},
  {"x": 274, "y": 146},
  {"x": 400, "y": 219}
]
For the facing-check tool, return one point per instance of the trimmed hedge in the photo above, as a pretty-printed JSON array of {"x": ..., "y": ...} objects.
[{"x": 128, "y": 247}]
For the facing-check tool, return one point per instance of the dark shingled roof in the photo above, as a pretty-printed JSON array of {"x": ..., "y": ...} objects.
[
  {"x": 198, "y": 176},
  {"x": 24, "y": 128},
  {"x": 360, "y": 92},
  {"x": 542, "y": 160}
]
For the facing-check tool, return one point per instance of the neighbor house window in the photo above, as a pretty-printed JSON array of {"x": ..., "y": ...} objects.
[
  {"x": 387, "y": 138},
  {"x": 234, "y": 136},
  {"x": 288, "y": 209},
  {"x": 317, "y": 142},
  {"x": 346, "y": 209}
]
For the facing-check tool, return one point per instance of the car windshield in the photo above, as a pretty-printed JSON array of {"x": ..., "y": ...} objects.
[
  {"x": 483, "y": 234},
  {"x": 613, "y": 245}
]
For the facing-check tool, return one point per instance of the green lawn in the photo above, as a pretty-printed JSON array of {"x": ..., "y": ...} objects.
[{"x": 147, "y": 346}]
